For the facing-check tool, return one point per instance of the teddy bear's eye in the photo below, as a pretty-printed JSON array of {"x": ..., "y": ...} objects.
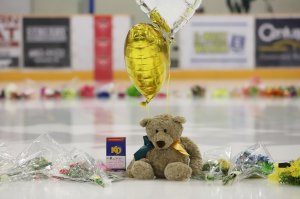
[
  {"x": 165, "y": 130},
  {"x": 156, "y": 130}
]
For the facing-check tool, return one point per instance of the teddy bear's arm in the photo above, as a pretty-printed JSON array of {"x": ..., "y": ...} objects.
[{"x": 195, "y": 156}]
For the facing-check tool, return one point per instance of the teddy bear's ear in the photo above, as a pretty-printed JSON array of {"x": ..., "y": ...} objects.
[
  {"x": 179, "y": 119},
  {"x": 144, "y": 122}
]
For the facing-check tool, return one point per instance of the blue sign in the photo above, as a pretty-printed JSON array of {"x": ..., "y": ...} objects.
[
  {"x": 237, "y": 43},
  {"x": 116, "y": 146}
]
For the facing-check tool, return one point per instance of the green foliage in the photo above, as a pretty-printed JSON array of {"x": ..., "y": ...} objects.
[{"x": 286, "y": 178}]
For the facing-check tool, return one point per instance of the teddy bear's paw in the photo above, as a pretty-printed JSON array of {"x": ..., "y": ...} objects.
[
  {"x": 178, "y": 171},
  {"x": 142, "y": 170}
]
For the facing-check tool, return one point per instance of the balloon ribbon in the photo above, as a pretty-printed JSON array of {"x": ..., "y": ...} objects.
[
  {"x": 142, "y": 152},
  {"x": 178, "y": 147},
  {"x": 148, "y": 146}
]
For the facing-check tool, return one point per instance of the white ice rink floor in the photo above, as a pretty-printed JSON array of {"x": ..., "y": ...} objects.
[{"x": 210, "y": 123}]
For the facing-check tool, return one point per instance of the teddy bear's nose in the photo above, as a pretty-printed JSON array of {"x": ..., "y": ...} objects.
[{"x": 160, "y": 144}]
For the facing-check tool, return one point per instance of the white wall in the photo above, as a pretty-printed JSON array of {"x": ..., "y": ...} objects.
[
  {"x": 128, "y": 7},
  {"x": 279, "y": 6},
  {"x": 82, "y": 48},
  {"x": 60, "y": 7},
  {"x": 210, "y": 6},
  {"x": 121, "y": 7},
  {"x": 15, "y": 6}
]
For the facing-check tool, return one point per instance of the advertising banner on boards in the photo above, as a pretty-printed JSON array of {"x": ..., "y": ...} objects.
[
  {"x": 46, "y": 42},
  {"x": 103, "y": 48},
  {"x": 278, "y": 42},
  {"x": 217, "y": 42},
  {"x": 10, "y": 41}
]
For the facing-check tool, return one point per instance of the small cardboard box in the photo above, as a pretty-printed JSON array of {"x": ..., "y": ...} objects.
[{"x": 116, "y": 153}]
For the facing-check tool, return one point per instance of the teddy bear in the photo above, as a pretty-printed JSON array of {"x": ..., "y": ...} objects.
[{"x": 165, "y": 153}]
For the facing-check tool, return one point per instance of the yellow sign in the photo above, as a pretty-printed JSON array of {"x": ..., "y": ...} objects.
[
  {"x": 115, "y": 149},
  {"x": 211, "y": 42}
]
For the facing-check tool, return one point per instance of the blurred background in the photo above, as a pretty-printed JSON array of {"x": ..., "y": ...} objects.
[
  {"x": 235, "y": 77},
  {"x": 246, "y": 41}
]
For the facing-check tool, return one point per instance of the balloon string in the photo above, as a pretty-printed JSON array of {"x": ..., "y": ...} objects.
[
  {"x": 170, "y": 41},
  {"x": 145, "y": 105},
  {"x": 148, "y": 111},
  {"x": 168, "y": 90}
]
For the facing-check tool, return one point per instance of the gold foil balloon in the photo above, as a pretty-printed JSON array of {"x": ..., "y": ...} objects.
[
  {"x": 147, "y": 53},
  {"x": 175, "y": 13},
  {"x": 147, "y": 57}
]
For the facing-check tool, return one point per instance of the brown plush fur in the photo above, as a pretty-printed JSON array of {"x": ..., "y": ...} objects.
[{"x": 163, "y": 161}]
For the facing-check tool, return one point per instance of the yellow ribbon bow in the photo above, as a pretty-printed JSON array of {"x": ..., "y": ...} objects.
[{"x": 178, "y": 147}]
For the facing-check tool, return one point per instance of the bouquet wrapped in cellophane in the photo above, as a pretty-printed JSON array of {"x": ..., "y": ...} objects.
[
  {"x": 255, "y": 161},
  {"x": 45, "y": 158},
  {"x": 216, "y": 164},
  {"x": 33, "y": 162},
  {"x": 79, "y": 166}
]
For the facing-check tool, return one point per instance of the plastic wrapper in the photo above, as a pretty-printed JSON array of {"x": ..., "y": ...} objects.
[
  {"x": 79, "y": 166},
  {"x": 30, "y": 170},
  {"x": 286, "y": 173},
  {"x": 255, "y": 161},
  {"x": 216, "y": 164},
  {"x": 45, "y": 158},
  {"x": 6, "y": 160},
  {"x": 34, "y": 162}
]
